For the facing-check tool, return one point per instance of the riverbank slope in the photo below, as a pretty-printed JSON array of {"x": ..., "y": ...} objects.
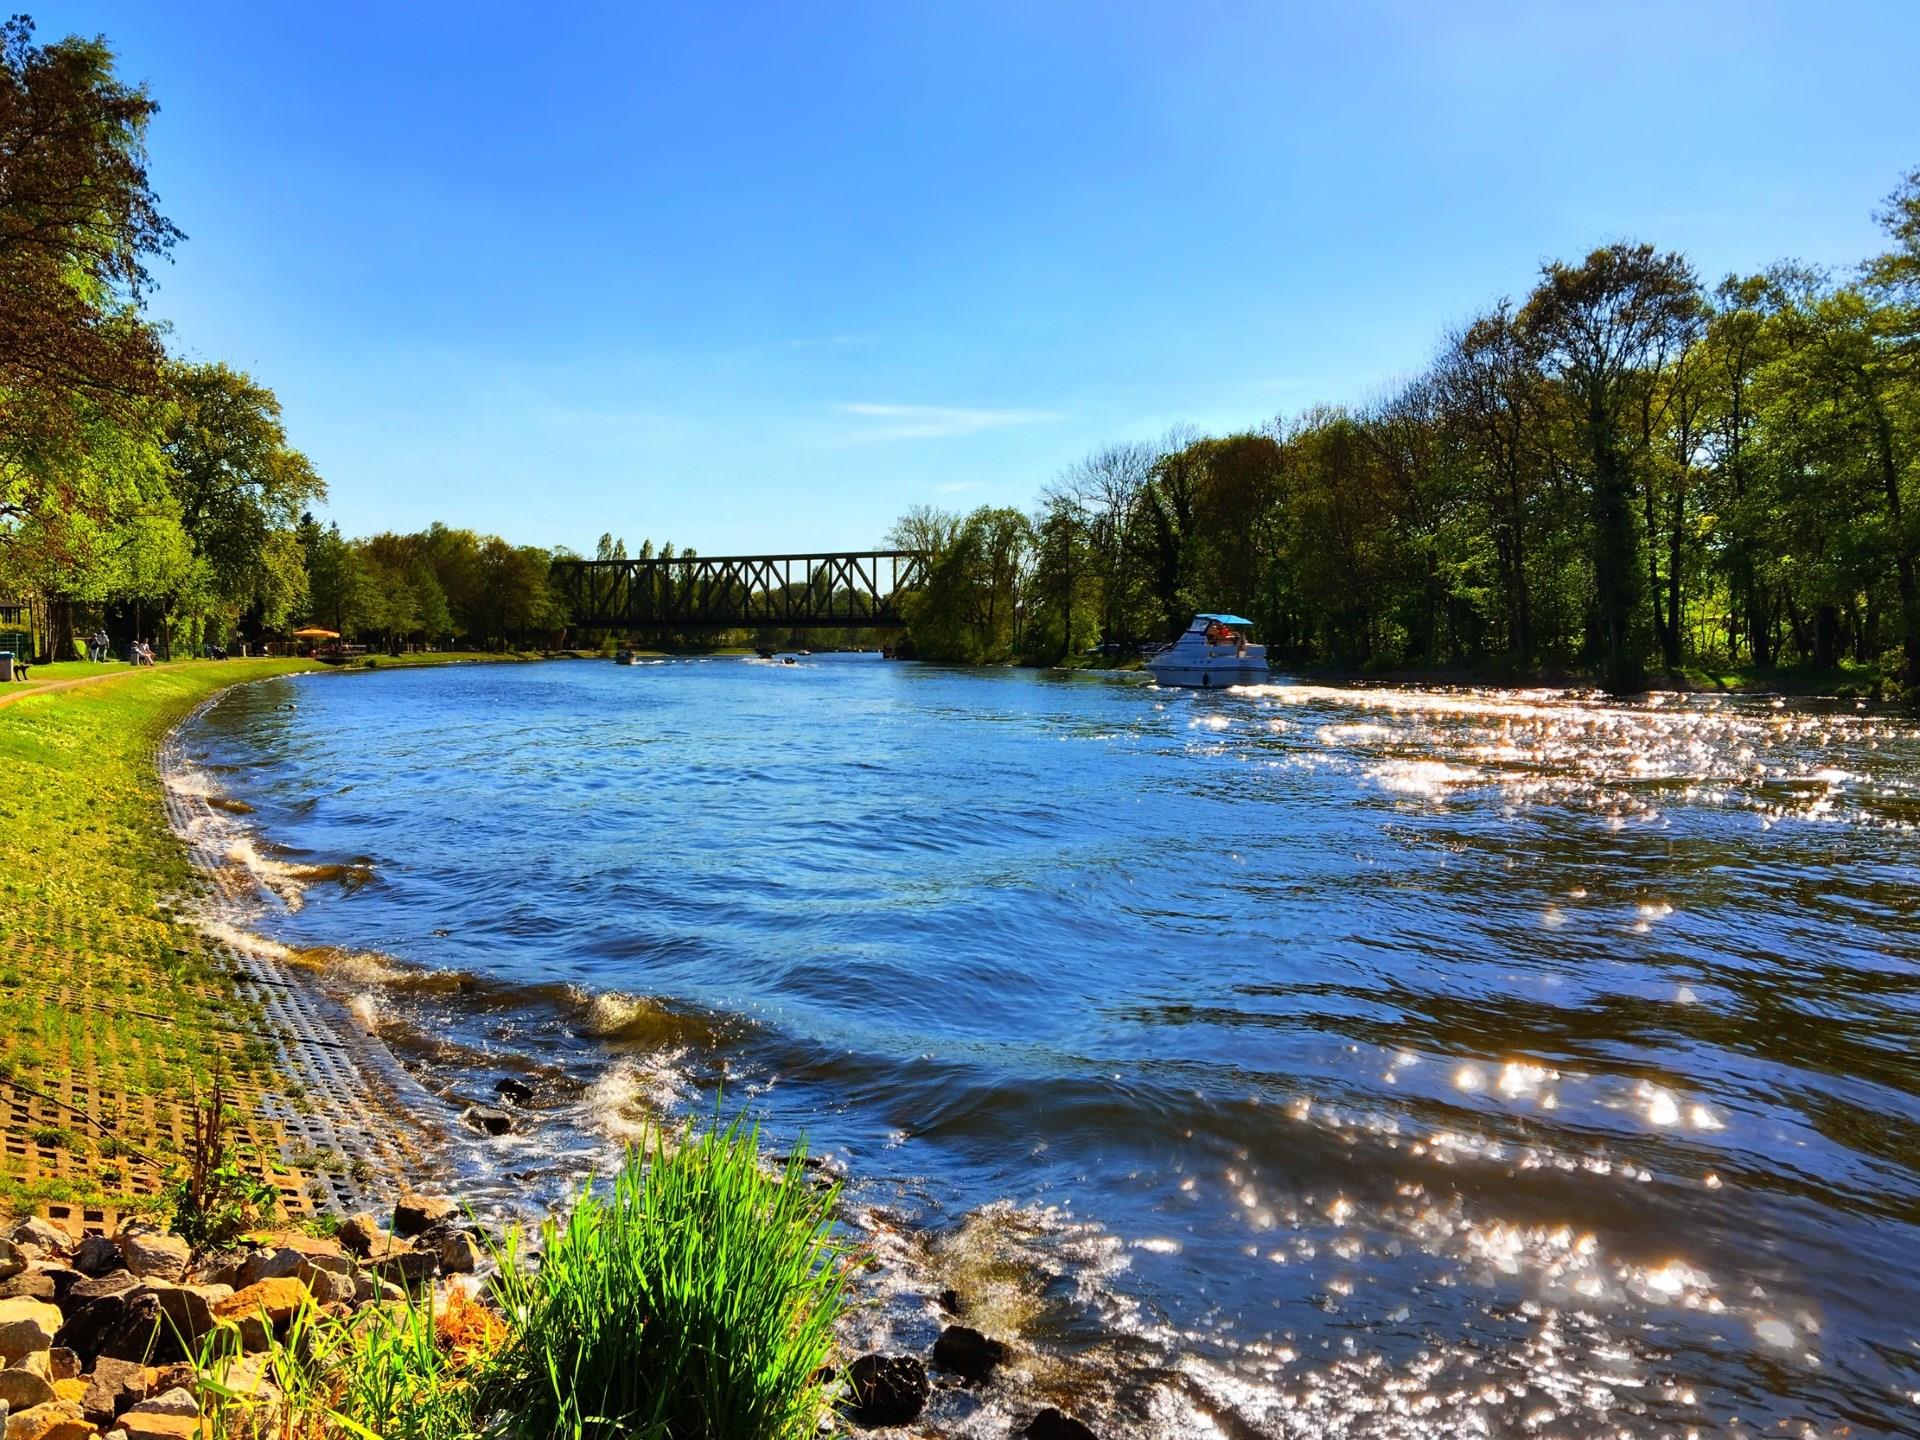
[{"x": 114, "y": 1008}]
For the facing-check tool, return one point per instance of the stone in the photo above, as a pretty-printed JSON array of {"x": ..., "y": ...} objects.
[
  {"x": 361, "y": 1234},
  {"x": 266, "y": 1265},
  {"x": 12, "y": 1262},
  {"x": 32, "y": 1285},
  {"x": 22, "y": 1389},
  {"x": 178, "y": 1401},
  {"x": 115, "y": 1385},
  {"x": 69, "y": 1390},
  {"x": 153, "y": 1256},
  {"x": 887, "y": 1389},
  {"x": 413, "y": 1213},
  {"x": 189, "y": 1310},
  {"x": 951, "y": 1302},
  {"x": 487, "y": 1119},
  {"x": 62, "y": 1363},
  {"x": 40, "y": 1362},
  {"x": 278, "y": 1299},
  {"x": 95, "y": 1255},
  {"x": 50, "y": 1239},
  {"x": 328, "y": 1287},
  {"x": 967, "y": 1353},
  {"x": 55, "y": 1420},
  {"x": 459, "y": 1255},
  {"x": 26, "y": 1326},
  {"x": 162, "y": 1427},
  {"x": 112, "y": 1324},
  {"x": 92, "y": 1287},
  {"x": 409, "y": 1268},
  {"x": 1052, "y": 1424},
  {"x": 514, "y": 1092}
]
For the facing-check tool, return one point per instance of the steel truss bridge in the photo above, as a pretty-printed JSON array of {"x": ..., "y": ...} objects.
[{"x": 741, "y": 592}]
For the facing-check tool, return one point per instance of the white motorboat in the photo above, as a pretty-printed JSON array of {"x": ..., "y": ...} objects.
[{"x": 1212, "y": 652}]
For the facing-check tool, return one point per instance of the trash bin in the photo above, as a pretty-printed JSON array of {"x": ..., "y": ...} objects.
[{"x": 6, "y": 664}]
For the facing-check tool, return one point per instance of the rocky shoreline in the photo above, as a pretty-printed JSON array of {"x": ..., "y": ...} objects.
[{"x": 105, "y": 1335}]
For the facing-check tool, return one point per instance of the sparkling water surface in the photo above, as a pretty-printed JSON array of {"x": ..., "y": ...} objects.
[{"x": 1289, "y": 1060}]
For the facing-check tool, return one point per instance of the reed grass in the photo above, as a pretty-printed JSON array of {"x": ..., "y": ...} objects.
[{"x": 695, "y": 1300}]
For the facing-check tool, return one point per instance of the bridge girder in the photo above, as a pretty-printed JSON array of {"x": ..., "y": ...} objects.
[{"x": 831, "y": 590}]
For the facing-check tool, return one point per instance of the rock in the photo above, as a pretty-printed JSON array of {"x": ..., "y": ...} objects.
[
  {"x": 92, "y": 1287},
  {"x": 33, "y": 1285},
  {"x": 177, "y": 1401},
  {"x": 123, "y": 1324},
  {"x": 267, "y": 1265},
  {"x": 115, "y": 1385},
  {"x": 55, "y": 1420},
  {"x": 951, "y": 1302},
  {"x": 62, "y": 1363},
  {"x": 12, "y": 1262},
  {"x": 26, "y": 1326},
  {"x": 328, "y": 1287},
  {"x": 153, "y": 1256},
  {"x": 22, "y": 1389},
  {"x": 887, "y": 1389},
  {"x": 487, "y": 1119},
  {"x": 514, "y": 1092},
  {"x": 967, "y": 1353},
  {"x": 162, "y": 1427},
  {"x": 410, "y": 1269},
  {"x": 360, "y": 1234},
  {"x": 40, "y": 1362},
  {"x": 278, "y": 1299},
  {"x": 413, "y": 1213},
  {"x": 49, "y": 1239},
  {"x": 95, "y": 1255},
  {"x": 1051, "y": 1424},
  {"x": 189, "y": 1310},
  {"x": 459, "y": 1255}
]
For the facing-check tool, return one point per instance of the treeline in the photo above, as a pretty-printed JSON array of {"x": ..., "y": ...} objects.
[
  {"x": 153, "y": 496},
  {"x": 1621, "y": 471}
]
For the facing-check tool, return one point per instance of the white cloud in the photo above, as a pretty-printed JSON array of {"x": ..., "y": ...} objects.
[{"x": 936, "y": 422}]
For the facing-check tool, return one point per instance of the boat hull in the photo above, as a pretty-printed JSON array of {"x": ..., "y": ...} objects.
[{"x": 1208, "y": 674}]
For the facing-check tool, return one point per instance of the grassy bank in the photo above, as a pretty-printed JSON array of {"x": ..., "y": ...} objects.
[{"x": 112, "y": 1011}]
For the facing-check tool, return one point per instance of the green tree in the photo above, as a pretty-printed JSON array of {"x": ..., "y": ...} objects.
[
  {"x": 1605, "y": 329},
  {"x": 241, "y": 488}
]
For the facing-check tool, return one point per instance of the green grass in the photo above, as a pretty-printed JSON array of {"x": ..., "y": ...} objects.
[
  {"x": 696, "y": 1300},
  {"x": 99, "y": 984}
]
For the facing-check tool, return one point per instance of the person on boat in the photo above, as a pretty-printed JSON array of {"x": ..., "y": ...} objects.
[{"x": 1216, "y": 633}]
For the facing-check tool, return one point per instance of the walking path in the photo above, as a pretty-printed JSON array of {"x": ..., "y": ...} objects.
[{"x": 110, "y": 670}]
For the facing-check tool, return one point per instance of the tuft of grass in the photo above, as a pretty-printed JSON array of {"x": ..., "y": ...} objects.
[{"x": 698, "y": 1298}]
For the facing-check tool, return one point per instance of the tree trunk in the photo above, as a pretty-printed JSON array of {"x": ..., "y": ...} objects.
[{"x": 1826, "y": 636}]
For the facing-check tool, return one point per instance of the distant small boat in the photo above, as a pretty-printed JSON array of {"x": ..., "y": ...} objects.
[
  {"x": 626, "y": 657},
  {"x": 1211, "y": 652}
]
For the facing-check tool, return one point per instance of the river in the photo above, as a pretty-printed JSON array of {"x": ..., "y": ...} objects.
[{"x": 1287, "y": 1060}]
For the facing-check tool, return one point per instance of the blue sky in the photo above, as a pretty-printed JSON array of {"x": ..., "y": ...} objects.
[{"x": 759, "y": 277}]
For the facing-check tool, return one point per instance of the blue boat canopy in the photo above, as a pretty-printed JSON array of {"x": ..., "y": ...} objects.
[{"x": 1225, "y": 619}]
